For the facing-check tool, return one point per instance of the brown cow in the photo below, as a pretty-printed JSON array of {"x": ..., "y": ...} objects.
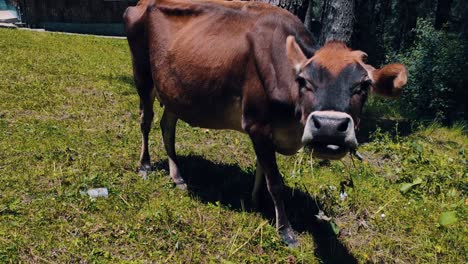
[{"x": 243, "y": 66}]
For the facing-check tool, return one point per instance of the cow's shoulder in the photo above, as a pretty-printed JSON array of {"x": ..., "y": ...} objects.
[
  {"x": 267, "y": 41},
  {"x": 271, "y": 29}
]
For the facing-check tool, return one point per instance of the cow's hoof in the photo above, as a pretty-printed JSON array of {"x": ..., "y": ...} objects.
[
  {"x": 144, "y": 171},
  {"x": 180, "y": 184},
  {"x": 289, "y": 237}
]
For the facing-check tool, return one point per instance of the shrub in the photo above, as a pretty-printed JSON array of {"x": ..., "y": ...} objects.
[{"x": 437, "y": 67}]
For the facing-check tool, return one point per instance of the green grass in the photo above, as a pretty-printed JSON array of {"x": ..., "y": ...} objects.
[{"x": 69, "y": 122}]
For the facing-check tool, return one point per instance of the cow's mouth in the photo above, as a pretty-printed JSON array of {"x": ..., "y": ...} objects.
[
  {"x": 327, "y": 151},
  {"x": 329, "y": 134}
]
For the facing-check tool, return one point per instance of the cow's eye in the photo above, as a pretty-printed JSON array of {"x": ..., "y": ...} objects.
[
  {"x": 366, "y": 84},
  {"x": 304, "y": 84},
  {"x": 356, "y": 88},
  {"x": 301, "y": 81},
  {"x": 361, "y": 87}
]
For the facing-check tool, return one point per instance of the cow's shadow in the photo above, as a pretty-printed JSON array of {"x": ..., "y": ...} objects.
[{"x": 231, "y": 186}]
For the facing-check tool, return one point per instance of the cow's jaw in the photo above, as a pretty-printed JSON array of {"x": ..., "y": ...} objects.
[{"x": 329, "y": 134}]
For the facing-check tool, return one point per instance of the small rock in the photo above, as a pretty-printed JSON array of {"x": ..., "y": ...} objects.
[
  {"x": 98, "y": 192},
  {"x": 343, "y": 196},
  {"x": 321, "y": 216}
]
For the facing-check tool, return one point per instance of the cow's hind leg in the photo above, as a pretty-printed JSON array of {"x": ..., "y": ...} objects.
[
  {"x": 168, "y": 127},
  {"x": 259, "y": 180},
  {"x": 146, "y": 118},
  {"x": 143, "y": 82}
]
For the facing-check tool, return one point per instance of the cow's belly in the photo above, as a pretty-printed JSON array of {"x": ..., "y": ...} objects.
[
  {"x": 287, "y": 137},
  {"x": 225, "y": 114}
]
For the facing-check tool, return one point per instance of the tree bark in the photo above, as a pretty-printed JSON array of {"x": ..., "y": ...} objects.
[
  {"x": 337, "y": 21},
  {"x": 309, "y": 15},
  {"x": 464, "y": 30},
  {"x": 442, "y": 13},
  {"x": 297, "y": 7}
]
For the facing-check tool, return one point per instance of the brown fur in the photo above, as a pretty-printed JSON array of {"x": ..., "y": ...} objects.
[
  {"x": 389, "y": 80},
  {"x": 335, "y": 56}
]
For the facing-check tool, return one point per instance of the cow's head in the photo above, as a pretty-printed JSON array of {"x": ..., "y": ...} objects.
[{"x": 334, "y": 85}]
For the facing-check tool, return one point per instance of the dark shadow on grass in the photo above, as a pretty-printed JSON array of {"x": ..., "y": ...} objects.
[
  {"x": 231, "y": 186},
  {"x": 368, "y": 126}
]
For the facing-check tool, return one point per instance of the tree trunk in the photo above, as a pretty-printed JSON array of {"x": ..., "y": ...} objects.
[
  {"x": 297, "y": 7},
  {"x": 442, "y": 13},
  {"x": 337, "y": 21},
  {"x": 465, "y": 21},
  {"x": 370, "y": 28},
  {"x": 406, "y": 22},
  {"x": 309, "y": 15}
]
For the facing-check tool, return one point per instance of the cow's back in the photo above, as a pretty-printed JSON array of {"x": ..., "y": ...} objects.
[{"x": 196, "y": 56}]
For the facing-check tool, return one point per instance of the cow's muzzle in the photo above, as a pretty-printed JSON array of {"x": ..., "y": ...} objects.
[{"x": 329, "y": 134}]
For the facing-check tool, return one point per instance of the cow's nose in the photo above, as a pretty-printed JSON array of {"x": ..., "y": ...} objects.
[
  {"x": 330, "y": 128},
  {"x": 330, "y": 125}
]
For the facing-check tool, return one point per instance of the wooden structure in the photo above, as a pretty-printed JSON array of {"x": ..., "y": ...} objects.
[{"x": 81, "y": 16}]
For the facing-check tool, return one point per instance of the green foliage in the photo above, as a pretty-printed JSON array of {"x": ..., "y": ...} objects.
[
  {"x": 437, "y": 64},
  {"x": 382, "y": 108}
]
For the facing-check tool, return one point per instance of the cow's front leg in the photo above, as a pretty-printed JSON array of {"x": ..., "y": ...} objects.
[
  {"x": 265, "y": 151},
  {"x": 168, "y": 127}
]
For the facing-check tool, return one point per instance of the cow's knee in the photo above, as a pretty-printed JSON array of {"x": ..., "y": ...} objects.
[{"x": 146, "y": 116}]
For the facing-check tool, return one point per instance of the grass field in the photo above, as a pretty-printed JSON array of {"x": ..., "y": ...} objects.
[{"x": 69, "y": 122}]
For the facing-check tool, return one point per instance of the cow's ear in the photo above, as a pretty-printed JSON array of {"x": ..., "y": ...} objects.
[
  {"x": 389, "y": 80},
  {"x": 295, "y": 54}
]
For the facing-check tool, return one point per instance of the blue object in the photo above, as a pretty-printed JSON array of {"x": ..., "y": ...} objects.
[
  {"x": 10, "y": 13},
  {"x": 3, "y": 5}
]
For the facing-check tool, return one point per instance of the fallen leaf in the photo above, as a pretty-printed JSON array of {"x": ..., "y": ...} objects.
[
  {"x": 448, "y": 218},
  {"x": 335, "y": 228},
  {"x": 405, "y": 187}
]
